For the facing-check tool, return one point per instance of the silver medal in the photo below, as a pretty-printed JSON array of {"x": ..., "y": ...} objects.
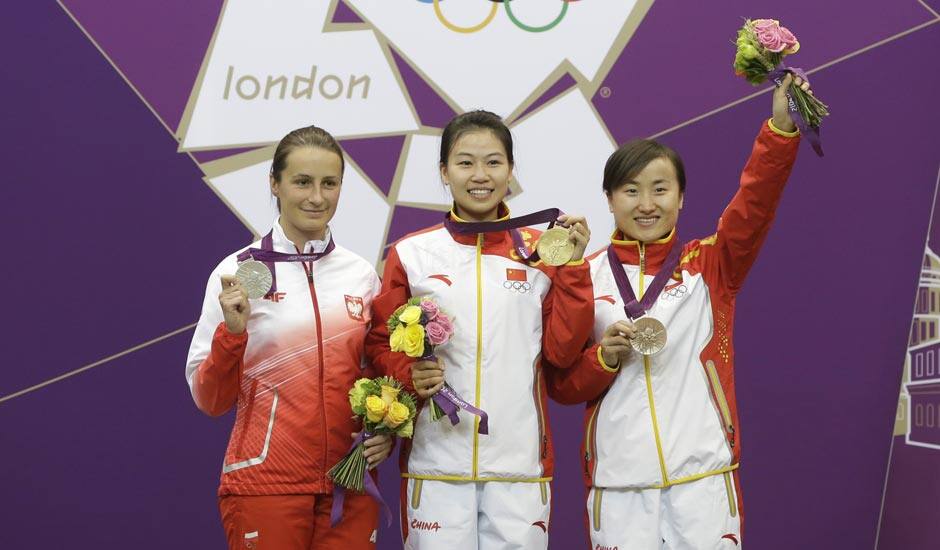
[{"x": 255, "y": 277}]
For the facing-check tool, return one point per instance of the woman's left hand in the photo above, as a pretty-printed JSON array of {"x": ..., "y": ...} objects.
[
  {"x": 578, "y": 233},
  {"x": 377, "y": 449},
  {"x": 782, "y": 118}
]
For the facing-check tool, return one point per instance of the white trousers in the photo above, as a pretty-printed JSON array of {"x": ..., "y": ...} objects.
[
  {"x": 699, "y": 515},
  {"x": 448, "y": 515}
]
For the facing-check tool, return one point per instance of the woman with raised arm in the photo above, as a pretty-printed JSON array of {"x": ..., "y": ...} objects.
[{"x": 661, "y": 450}]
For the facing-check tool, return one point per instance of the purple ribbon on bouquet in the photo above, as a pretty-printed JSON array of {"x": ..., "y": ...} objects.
[
  {"x": 267, "y": 255},
  {"x": 449, "y": 402},
  {"x": 339, "y": 492},
  {"x": 811, "y": 132},
  {"x": 549, "y": 215}
]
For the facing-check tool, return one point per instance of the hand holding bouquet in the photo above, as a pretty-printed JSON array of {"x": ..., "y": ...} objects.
[
  {"x": 385, "y": 410},
  {"x": 416, "y": 328},
  {"x": 762, "y": 45}
]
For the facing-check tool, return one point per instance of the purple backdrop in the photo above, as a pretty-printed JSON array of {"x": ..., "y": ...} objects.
[{"x": 125, "y": 232}]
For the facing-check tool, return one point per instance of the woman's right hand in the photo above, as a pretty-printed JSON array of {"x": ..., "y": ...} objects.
[
  {"x": 427, "y": 377},
  {"x": 234, "y": 302},
  {"x": 615, "y": 344}
]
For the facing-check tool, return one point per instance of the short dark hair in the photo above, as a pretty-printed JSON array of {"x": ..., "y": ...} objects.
[
  {"x": 632, "y": 157},
  {"x": 473, "y": 121},
  {"x": 308, "y": 136}
]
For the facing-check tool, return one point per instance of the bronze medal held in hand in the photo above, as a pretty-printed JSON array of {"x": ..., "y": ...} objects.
[
  {"x": 255, "y": 277},
  {"x": 650, "y": 336},
  {"x": 554, "y": 247}
]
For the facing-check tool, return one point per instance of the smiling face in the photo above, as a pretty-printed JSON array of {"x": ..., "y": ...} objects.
[
  {"x": 308, "y": 191},
  {"x": 646, "y": 206},
  {"x": 477, "y": 171}
]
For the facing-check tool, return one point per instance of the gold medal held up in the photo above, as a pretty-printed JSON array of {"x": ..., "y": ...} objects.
[
  {"x": 554, "y": 247},
  {"x": 650, "y": 336}
]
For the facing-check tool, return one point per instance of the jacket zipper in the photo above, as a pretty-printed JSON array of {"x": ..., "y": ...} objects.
[
  {"x": 647, "y": 368},
  {"x": 590, "y": 443},
  {"x": 479, "y": 365},
  {"x": 543, "y": 437},
  {"x": 316, "y": 312}
]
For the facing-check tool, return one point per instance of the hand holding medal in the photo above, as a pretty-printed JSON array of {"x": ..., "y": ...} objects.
[
  {"x": 234, "y": 302},
  {"x": 616, "y": 344},
  {"x": 564, "y": 242}
]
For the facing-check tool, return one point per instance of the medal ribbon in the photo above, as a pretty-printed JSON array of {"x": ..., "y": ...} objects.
[
  {"x": 634, "y": 308},
  {"x": 512, "y": 225},
  {"x": 268, "y": 256},
  {"x": 339, "y": 492}
]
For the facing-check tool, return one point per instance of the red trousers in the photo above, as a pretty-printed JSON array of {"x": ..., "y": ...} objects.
[{"x": 298, "y": 522}]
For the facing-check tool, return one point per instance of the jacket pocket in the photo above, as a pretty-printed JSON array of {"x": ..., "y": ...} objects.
[
  {"x": 720, "y": 399},
  {"x": 246, "y": 422}
]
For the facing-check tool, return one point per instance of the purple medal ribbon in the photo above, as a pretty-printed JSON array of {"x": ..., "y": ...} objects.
[
  {"x": 449, "y": 402},
  {"x": 633, "y": 308},
  {"x": 811, "y": 132},
  {"x": 512, "y": 225},
  {"x": 268, "y": 256},
  {"x": 339, "y": 492}
]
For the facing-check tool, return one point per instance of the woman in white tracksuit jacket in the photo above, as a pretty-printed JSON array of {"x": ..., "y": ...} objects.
[
  {"x": 661, "y": 449},
  {"x": 463, "y": 490}
]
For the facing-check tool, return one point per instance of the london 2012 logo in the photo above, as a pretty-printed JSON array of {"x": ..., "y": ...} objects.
[{"x": 371, "y": 71}]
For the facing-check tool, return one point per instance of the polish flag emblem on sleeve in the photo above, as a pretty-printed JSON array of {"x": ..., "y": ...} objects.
[
  {"x": 354, "y": 307},
  {"x": 516, "y": 275}
]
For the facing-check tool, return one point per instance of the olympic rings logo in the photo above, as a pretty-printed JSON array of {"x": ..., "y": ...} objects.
[
  {"x": 518, "y": 286},
  {"x": 492, "y": 14},
  {"x": 675, "y": 293}
]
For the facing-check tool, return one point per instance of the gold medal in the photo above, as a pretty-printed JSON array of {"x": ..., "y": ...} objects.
[
  {"x": 255, "y": 277},
  {"x": 650, "y": 336},
  {"x": 554, "y": 247}
]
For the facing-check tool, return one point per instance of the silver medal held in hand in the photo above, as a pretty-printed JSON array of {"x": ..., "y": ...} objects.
[
  {"x": 554, "y": 247},
  {"x": 255, "y": 277},
  {"x": 650, "y": 336}
]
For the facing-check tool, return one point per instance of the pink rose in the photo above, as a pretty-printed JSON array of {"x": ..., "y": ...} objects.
[
  {"x": 429, "y": 308},
  {"x": 436, "y": 333},
  {"x": 772, "y": 36},
  {"x": 771, "y": 40},
  {"x": 446, "y": 324},
  {"x": 791, "y": 44}
]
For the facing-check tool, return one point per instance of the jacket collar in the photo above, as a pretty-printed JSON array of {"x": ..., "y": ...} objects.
[
  {"x": 489, "y": 239},
  {"x": 654, "y": 252},
  {"x": 282, "y": 244}
]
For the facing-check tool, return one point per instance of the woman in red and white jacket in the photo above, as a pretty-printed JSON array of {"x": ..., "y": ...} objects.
[
  {"x": 463, "y": 489},
  {"x": 661, "y": 450},
  {"x": 286, "y": 364}
]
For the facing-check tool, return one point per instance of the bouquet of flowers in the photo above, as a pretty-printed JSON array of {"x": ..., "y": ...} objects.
[
  {"x": 762, "y": 45},
  {"x": 385, "y": 410},
  {"x": 415, "y": 329}
]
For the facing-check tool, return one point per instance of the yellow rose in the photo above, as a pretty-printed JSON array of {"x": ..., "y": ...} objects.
[
  {"x": 397, "y": 338},
  {"x": 375, "y": 408},
  {"x": 389, "y": 394},
  {"x": 411, "y": 315},
  {"x": 414, "y": 341},
  {"x": 397, "y": 413}
]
